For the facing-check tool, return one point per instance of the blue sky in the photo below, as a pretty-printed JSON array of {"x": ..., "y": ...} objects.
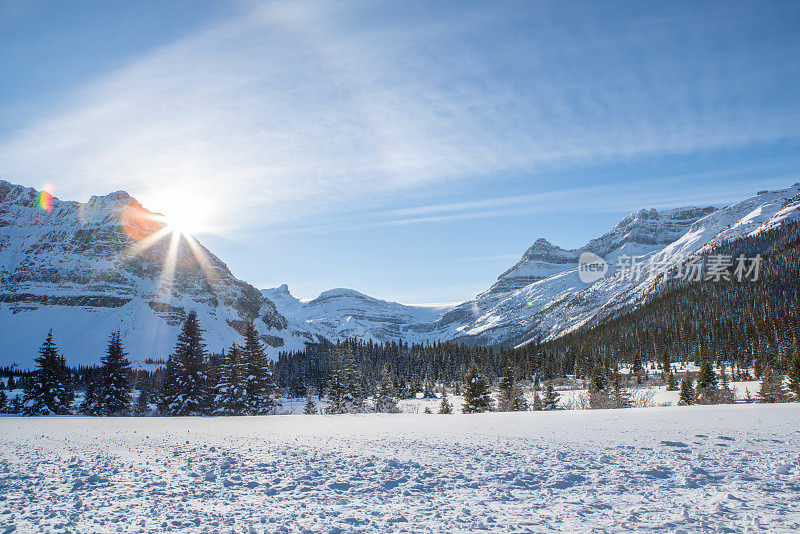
[{"x": 411, "y": 150}]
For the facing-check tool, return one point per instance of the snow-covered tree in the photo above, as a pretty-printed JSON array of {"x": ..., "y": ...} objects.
[
  {"x": 551, "y": 396},
  {"x": 537, "y": 402},
  {"x": 310, "y": 407},
  {"x": 259, "y": 382},
  {"x": 476, "y": 392},
  {"x": 90, "y": 405},
  {"x": 184, "y": 390},
  {"x": 231, "y": 391},
  {"x": 706, "y": 391},
  {"x": 672, "y": 383},
  {"x": 619, "y": 396},
  {"x": 511, "y": 398},
  {"x": 142, "y": 406},
  {"x": 344, "y": 384},
  {"x": 772, "y": 389},
  {"x": 686, "y": 396},
  {"x": 385, "y": 398},
  {"x": 115, "y": 374},
  {"x": 445, "y": 407},
  {"x": 49, "y": 388}
]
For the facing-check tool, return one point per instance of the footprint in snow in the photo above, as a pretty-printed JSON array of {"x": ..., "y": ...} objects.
[{"x": 674, "y": 443}]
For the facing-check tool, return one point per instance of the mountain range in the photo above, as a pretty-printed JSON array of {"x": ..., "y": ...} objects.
[{"x": 86, "y": 269}]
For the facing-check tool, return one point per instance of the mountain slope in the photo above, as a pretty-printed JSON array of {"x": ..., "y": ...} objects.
[{"x": 84, "y": 270}]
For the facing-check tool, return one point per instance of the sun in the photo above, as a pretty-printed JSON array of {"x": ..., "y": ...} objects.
[
  {"x": 182, "y": 212},
  {"x": 183, "y": 219}
]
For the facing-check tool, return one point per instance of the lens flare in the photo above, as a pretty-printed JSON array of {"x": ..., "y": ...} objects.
[{"x": 46, "y": 198}]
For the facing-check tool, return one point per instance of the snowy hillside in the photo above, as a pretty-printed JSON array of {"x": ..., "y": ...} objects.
[
  {"x": 724, "y": 468},
  {"x": 86, "y": 269},
  {"x": 343, "y": 313}
]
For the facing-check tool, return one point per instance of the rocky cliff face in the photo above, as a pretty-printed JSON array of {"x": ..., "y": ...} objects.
[{"x": 86, "y": 269}]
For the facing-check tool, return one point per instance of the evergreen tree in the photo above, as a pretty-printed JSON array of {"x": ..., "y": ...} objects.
[
  {"x": 794, "y": 374},
  {"x": 310, "y": 407},
  {"x": 597, "y": 391},
  {"x": 344, "y": 384},
  {"x": 725, "y": 394},
  {"x": 3, "y": 400},
  {"x": 48, "y": 389},
  {"x": 551, "y": 396},
  {"x": 115, "y": 391},
  {"x": 259, "y": 382},
  {"x": 91, "y": 400},
  {"x": 672, "y": 383},
  {"x": 772, "y": 389},
  {"x": 476, "y": 392},
  {"x": 142, "y": 408},
  {"x": 706, "y": 392},
  {"x": 184, "y": 390},
  {"x": 11, "y": 383},
  {"x": 537, "y": 402},
  {"x": 686, "y": 396},
  {"x": 511, "y": 398},
  {"x": 231, "y": 392},
  {"x": 620, "y": 396},
  {"x": 385, "y": 400},
  {"x": 334, "y": 392},
  {"x": 445, "y": 407}
]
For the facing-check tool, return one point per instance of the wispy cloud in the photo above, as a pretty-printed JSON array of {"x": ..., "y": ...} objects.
[
  {"x": 699, "y": 189},
  {"x": 307, "y": 110}
]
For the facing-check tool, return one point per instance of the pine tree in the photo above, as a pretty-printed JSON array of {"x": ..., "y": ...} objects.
[
  {"x": 772, "y": 389},
  {"x": 537, "y": 402},
  {"x": 445, "y": 407},
  {"x": 352, "y": 393},
  {"x": 231, "y": 391},
  {"x": 142, "y": 407},
  {"x": 91, "y": 401},
  {"x": 551, "y": 396},
  {"x": 686, "y": 396},
  {"x": 310, "y": 407},
  {"x": 794, "y": 374},
  {"x": 3, "y": 400},
  {"x": 706, "y": 392},
  {"x": 620, "y": 397},
  {"x": 725, "y": 395},
  {"x": 385, "y": 400},
  {"x": 476, "y": 392},
  {"x": 672, "y": 383},
  {"x": 115, "y": 372},
  {"x": 259, "y": 382},
  {"x": 598, "y": 390},
  {"x": 344, "y": 384},
  {"x": 511, "y": 398},
  {"x": 49, "y": 388},
  {"x": 184, "y": 390}
]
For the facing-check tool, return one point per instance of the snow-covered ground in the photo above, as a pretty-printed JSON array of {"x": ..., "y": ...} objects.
[{"x": 720, "y": 468}]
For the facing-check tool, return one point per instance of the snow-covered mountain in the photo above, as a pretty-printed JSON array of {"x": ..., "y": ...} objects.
[
  {"x": 342, "y": 313},
  {"x": 552, "y": 306},
  {"x": 85, "y": 270},
  {"x": 542, "y": 295}
]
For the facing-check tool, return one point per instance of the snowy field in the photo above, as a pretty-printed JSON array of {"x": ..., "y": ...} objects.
[{"x": 722, "y": 468}]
